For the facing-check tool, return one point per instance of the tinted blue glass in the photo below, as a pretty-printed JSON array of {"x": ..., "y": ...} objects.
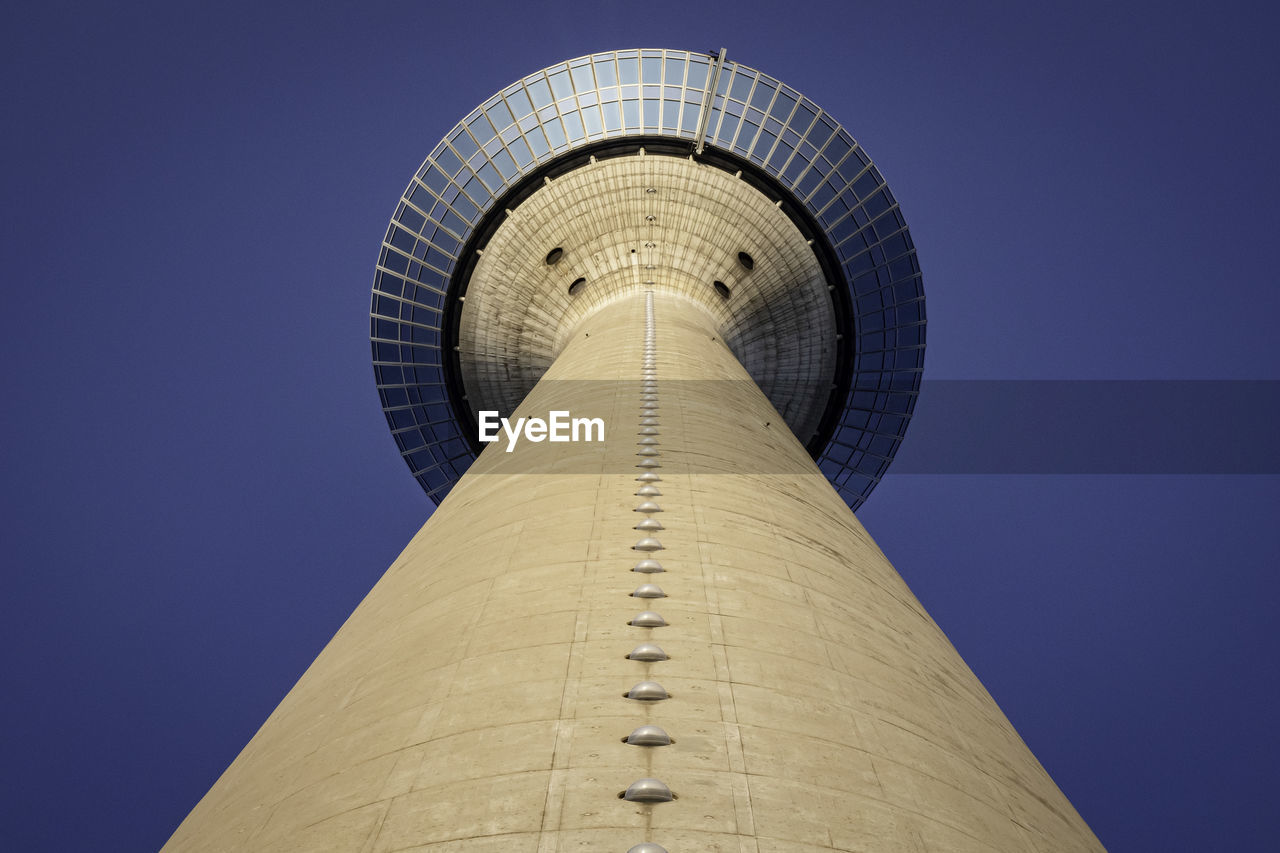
[
  {"x": 651, "y": 114},
  {"x": 591, "y": 119},
  {"x": 490, "y": 176},
  {"x": 555, "y": 134},
  {"x": 783, "y": 104},
  {"x": 763, "y": 94},
  {"x": 697, "y": 75},
  {"x": 652, "y": 69},
  {"x": 561, "y": 86},
  {"x": 740, "y": 88},
  {"x": 673, "y": 71},
  {"x": 612, "y": 115},
  {"x": 689, "y": 119},
  {"x": 629, "y": 69},
  {"x": 538, "y": 143},
  {"x": 573, "y": 126},
  {"x": 539, "y": 91},
  {"x": 605, "y": 73},
  {"x": 583, "y": 80},
  {"x": 519, "y": 102},
  {"x": 520, "y": 150}
]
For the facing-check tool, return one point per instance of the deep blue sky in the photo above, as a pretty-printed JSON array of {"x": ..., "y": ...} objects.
[{"x": 199, "y": 485}]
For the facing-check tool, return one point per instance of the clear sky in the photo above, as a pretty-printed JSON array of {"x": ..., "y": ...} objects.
[{"x": 199, "y": 484}]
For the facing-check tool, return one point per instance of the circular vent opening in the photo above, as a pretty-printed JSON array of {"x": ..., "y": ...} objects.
[
  {"x": 578, "y": 284},
  {"x": 554, "y": 256},
  {"x": 746, "y": 260},
  {"x": 721, "y": 288}
]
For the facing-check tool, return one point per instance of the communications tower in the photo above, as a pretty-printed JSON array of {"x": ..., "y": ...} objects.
[{"x": 668, "y": 631}]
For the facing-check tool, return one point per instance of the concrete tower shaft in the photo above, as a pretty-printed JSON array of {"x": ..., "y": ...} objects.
[{"x": 475, "y": 700}]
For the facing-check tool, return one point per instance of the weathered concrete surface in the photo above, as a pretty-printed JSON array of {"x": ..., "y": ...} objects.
[{"x": 473, "y": 701}]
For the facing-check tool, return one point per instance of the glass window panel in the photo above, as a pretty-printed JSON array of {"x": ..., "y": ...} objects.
[
  {"x": 464, "y": 208},
  {"x": 780, "y": 155},
  {"x": 823, "y": 197},
  {"x": 538, "y": 142},
  {"x": 631, "y": 113},
  {"x": 464, "y": 144},
  {"x": 582, "y": 79},
  {"x": 573, "y": 126},
  {"x": 670, "y": 114},
  {"x": 605, "y": 73},
  {"x": 741, "y": 85},
  {"x": 673, "y": 72},
  {"x": 481, "y": 128},
  {"x": 612, "y": 115},
  {"x": 697, "y": 75},
  {"x": 499, "y": 115},
  {"x": 502, "y": 160},
  {"x": 403, "y": 240},
  {"x": 519, "y": 103},
  {"x": 560, "y": 85},
  {"x": 555, "y": 134},
  {"x": 746, "y": 136},
  {"x": 866, "y": 185},
  {"x": 728, "y": 126},
  {"x": 540, "y": 92},
  {"x": 591, "y": 118},
  {"x": 689, "y": 121},
  {"x": 629, "y": 69},
  {"x": 793, "y": 170},
  {"x": 652, "y": 66},
  {"x": 651, "y": 114},
  {"x": 764, "y": 144},
  {"x": 448, "y": 162},
  {"x": 805, "y": 114},
  {"x": 838, "y": 148},
  {"x": 761, "y": 97},
  {"x": 493, "y": 146},
  {"x": 520, "y": 150}
]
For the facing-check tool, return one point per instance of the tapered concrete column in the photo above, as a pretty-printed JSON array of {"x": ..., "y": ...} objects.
[{"x": 475, "y": 700}]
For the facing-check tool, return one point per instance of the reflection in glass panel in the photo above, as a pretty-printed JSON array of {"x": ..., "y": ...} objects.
[
  {"x": 631, "y": 114},
  {"x": 742, "y": 80}
]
